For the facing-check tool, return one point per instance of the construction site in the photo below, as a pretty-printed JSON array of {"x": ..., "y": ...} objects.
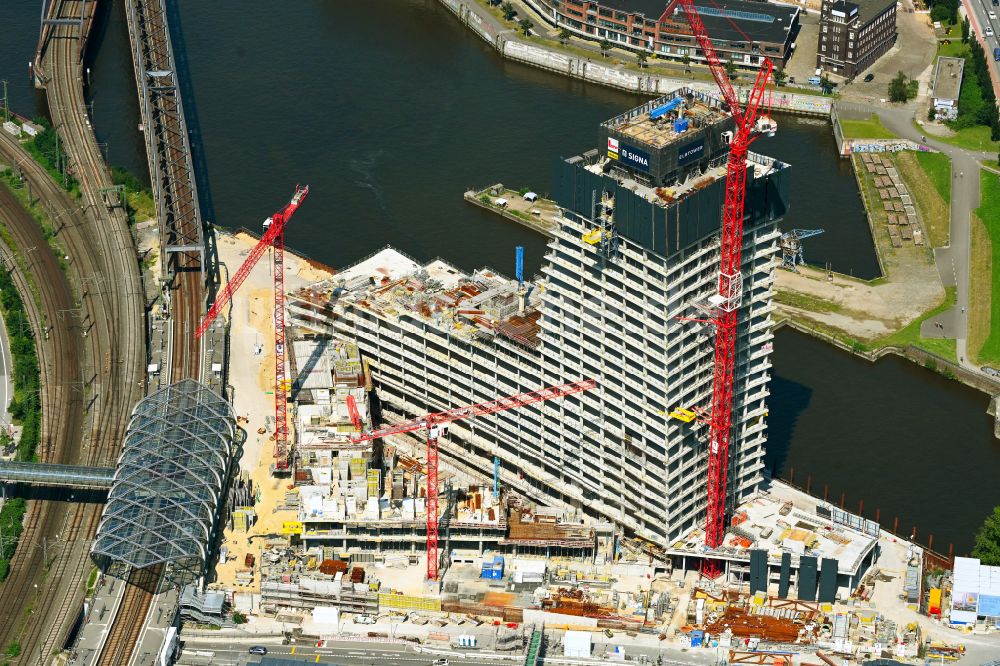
[
  {"x": 429, "y": 482},
  {"x": 579, "y": 450}
]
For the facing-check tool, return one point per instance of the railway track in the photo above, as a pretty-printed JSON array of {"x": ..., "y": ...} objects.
[
  {"x": 61, "y": 366},
  {"x": 173, "y": 183},
  {"x": 100, "y": 245},
  {"x": 102, "y": 252},
  {"x": 124, "y": 631}
]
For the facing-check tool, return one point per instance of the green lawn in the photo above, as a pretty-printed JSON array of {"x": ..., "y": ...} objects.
[
  {"x": 989, "y": 213},
  {"x": 971, "y": 138},
  {"x": 954, "y": 50},
  {"x": 865, "y": 129},
  {"x": 910, "y": 335},
  {"x": 937, "y": 166}
]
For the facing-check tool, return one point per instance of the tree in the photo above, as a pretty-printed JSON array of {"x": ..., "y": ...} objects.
[
  {"x": 564, "y": 35},
  {"x": 525, "y": 25},
  {"x": 686, "y": 59},
  {"x": 965, "y": 29},
  {"x": 987, "y": 547},
  {"x": 239, "y": 618},
  {"x": 508, "y": 11},
  {"x": 931, "y": 114},
  {"x": 825, "y": 84},
  {"x": 941, "y": 12},
  {"x": 779, "y": 77},
  {"x": 898, "y": 91},
  {"x": 641, "y": 57},
  {"x": 731, "y": 69},
  {"x": 605, "y": 46}
]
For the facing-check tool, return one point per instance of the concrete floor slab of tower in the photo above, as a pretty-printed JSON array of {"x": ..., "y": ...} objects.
[{"x": 785, "y": 521}]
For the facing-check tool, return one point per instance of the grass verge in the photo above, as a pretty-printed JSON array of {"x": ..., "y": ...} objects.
[
  {"x": 865, "y": 129},
  {"x": 972, "y": 138},
  {"x": 25, "y": 406},
  {"x": 989, "y": 213},
  {"x": 980, "y": 287},
  {"x": 928, "y": 176},
  {"x": 806, "y": 302},
  {"x": 910, "y": 334},
  {"x": 138, "y": 198}
]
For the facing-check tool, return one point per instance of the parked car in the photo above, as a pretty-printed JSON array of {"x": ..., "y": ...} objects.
[
  {"x": 992, "y": 372},
  {"x": 259, "y": 650},
  {"x": 364, "y": 619},
  {"x": 869, "y": 78}
]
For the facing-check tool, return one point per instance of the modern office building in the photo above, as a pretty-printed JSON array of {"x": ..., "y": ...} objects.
[
  {"x": 853, "y": 35},
  {"x": 743, "y": 32},
  {"x": 635, "y": 249}
]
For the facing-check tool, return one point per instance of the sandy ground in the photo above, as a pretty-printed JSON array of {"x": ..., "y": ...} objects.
[
  {"x": 252, "y": 377},
  {"x": 865, "y": 310}
]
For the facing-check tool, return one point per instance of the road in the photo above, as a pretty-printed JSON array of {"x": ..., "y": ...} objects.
[
  {"x": 980, "y": 20},
  {"x": 358, "y": 653},
  {"x": 348, "y": 653}
]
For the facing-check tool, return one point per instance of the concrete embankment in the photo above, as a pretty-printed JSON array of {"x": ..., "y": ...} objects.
[{"x": 510, "y": 46}]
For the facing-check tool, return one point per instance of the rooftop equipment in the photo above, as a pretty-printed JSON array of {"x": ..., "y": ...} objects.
[{"x": 663, "y": 110}]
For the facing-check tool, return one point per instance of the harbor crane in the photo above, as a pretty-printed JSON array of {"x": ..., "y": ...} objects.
[
  {"x": 274, "y": 237},
  {"x": 791, "y": 247},
  {"x": 723, "y": 306},
  {"x": 436, "y": 425}
]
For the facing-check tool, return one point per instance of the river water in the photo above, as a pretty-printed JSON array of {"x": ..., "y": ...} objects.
[{"x": 389, "y": 121}]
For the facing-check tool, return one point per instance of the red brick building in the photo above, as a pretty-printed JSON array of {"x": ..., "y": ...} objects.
[{"x": 743, "y": 32}]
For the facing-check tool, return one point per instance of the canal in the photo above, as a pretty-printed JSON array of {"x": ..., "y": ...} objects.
[{"x": 390, "y": 109}]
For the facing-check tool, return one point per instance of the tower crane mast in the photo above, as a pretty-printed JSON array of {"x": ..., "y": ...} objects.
[
  {"x": 274, "y": 237},
  {"x": 436, "y": 424},
  {"x": 724, "y": 305}
]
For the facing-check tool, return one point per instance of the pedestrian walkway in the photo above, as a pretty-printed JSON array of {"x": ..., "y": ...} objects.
[{"x": 953, "y": 259}]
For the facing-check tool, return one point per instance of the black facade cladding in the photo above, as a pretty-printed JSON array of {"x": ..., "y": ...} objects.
[
  {"x": 668, "y": 229},
  {"x": 828, "y": 580},
  {"x": 785, "y": 576},
  {"x": 807, "y": 578},
  {"x": 666, "y": 163}
]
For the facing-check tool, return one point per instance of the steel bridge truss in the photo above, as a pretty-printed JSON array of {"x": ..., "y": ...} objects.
[{"x": 168, "y": 148}]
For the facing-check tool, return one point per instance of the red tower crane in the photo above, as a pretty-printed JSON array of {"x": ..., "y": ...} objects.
[
  {"x": 274, "y": 236},
  {"x": 436, "y": 425},
  {"x": 723, "y": 306}
]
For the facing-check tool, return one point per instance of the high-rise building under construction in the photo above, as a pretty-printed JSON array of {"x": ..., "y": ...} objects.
[{"x": 634, "y": 251}]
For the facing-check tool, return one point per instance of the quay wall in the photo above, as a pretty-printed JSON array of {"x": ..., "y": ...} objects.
[{"x": 510, "y": 47}]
